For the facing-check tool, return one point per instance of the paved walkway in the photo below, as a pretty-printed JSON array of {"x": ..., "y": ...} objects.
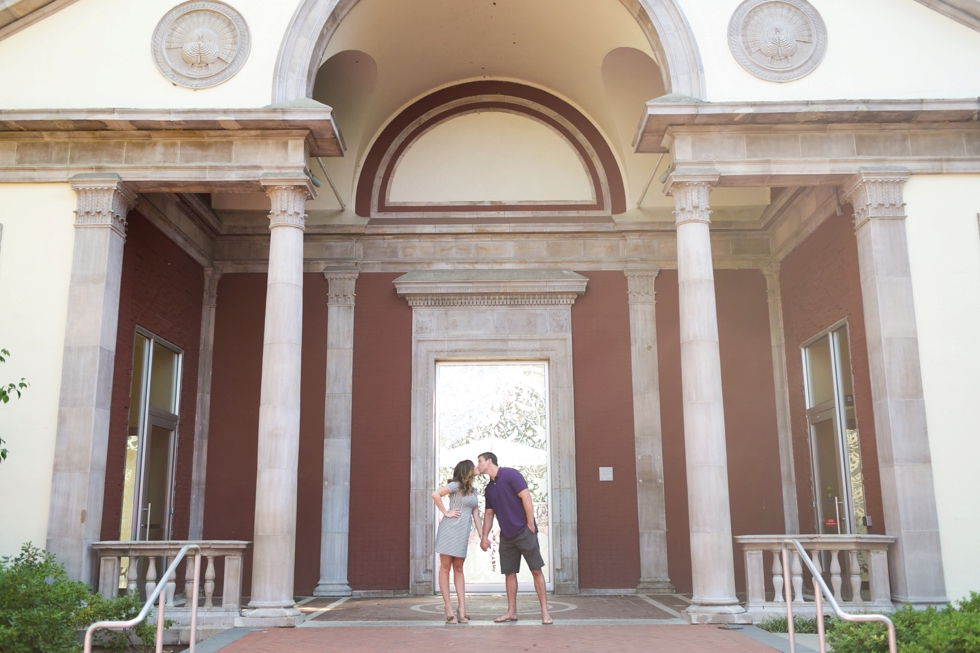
[
  {"x": 584, "y": 624},
  {"x": 503, "y": 638}
]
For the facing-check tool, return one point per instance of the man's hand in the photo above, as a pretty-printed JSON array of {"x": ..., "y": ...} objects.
[
  {"x": 485, "y": 544},
  {"x": 530, "y": 527}
]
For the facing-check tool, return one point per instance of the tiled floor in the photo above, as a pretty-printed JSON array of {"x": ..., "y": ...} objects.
[
  {"x": 500, "y": 638},
  {"x": 584, "y": 624}
]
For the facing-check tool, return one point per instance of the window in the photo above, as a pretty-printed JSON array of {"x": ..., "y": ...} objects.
[
  {"x": 151, "y": 444},
  {"x": 835, "y": 449}
]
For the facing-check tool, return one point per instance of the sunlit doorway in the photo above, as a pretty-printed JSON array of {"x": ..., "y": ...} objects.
[{"x": 501, "y": 407}]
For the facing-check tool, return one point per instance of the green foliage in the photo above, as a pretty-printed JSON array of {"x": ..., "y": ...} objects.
[
  {"x": 520, "y": 418},
  {"x": 802, "y": 625},
  {"x": 7, "y": 391},
  {"x": 955, "y": 629},
  {"x": 42, "y": 610}
]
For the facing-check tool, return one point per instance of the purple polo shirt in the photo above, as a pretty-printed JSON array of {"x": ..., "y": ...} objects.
[{"x": 501, "y": 497}]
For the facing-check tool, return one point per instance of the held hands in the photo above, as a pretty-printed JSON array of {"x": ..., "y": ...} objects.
[
  {"x": 484, "y": 543},
  {"x": 451, "y": 514}
]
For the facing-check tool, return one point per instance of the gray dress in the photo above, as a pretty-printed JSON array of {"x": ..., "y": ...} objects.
[{"x": 453, "y": 536}]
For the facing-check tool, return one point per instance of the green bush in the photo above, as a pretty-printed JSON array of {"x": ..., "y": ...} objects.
[
  {"x": 803, "y": 625},
  {"x": 42, "y": 610},
  {"x": 951, "y": 630}
]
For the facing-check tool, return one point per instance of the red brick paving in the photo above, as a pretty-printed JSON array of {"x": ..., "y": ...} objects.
[{"x": 504, "y": 638}]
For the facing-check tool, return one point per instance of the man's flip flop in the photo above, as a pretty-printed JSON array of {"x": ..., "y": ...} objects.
[
  {"x": 547, "y": 623},
  {"x": 503, "y": 620}
]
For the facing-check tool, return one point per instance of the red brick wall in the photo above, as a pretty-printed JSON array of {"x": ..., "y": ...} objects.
[
  {"x": 162, "y": 291},
  {"x": 750, "y": 415},
  {"x": 821, "y": 285},
  {"x": 229, "y": 511},
  {"x": 381, "y": 429},
  {"x": 608, "y": 533}
]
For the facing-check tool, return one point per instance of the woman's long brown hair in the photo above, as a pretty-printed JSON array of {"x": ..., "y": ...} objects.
[{"x": 464, "y": 473}]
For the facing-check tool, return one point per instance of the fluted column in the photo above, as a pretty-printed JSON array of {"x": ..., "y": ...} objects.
[
  {"x": 78, "y": 479},
  {"x": 203, "y": 413},
  {"x": 274, "y": 557},
  {"x": 904, "y": 461},
  {"x": 646, "y": 429},
  {"x": 784, "y": 428},
  {"x": 712, "y": 558},
  {"x": 335, "y": 521}
]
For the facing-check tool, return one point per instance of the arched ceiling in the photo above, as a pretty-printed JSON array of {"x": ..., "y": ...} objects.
[{"x": 388, "y": 53}]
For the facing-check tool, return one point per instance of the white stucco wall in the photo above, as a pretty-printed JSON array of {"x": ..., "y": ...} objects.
[
  {"x": 944, "y": 249},
  {"x": 35, "y": 269},
  {"x": 96, "y": 54},
  {"x": 875, "y": 49},
  {"x": 490, "y": 156}
]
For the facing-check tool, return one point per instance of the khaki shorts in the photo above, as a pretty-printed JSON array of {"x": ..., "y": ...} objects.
[{"x": 513, "y": 548}]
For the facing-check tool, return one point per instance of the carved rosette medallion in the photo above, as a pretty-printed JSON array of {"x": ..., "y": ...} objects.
[
  {"x": 201, "y": 44},
  {"x": 777, "y": 40}
]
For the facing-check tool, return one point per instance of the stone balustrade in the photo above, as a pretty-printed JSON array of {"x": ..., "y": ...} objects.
[
  {"x": 217, "y": 610},
  {"x": 846, "y": 562}
]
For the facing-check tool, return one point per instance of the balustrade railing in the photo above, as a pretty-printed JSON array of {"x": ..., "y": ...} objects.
[
  {"x": 845, "y": 562},
  {"x": 216, "y": 610}
]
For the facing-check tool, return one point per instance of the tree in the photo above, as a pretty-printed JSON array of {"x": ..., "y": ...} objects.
[{"x": 6, "y": 392}]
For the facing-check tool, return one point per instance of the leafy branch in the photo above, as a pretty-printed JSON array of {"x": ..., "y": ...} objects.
[
  {"x": 520, "y": 415},
  {"x": 6, "y": 392}
]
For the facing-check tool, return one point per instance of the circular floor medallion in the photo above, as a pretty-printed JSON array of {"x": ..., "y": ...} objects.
[
  {"x": 777, "y": 40},
  {"x": 201, "y": 44}
]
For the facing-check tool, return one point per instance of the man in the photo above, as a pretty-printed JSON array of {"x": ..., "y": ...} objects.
[{"x": 508, "y": 498}]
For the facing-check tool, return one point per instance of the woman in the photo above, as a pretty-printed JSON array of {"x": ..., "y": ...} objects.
[{"x": 453, "y": 537}]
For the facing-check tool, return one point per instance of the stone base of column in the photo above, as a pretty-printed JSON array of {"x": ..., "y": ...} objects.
[
  {"x": 270, "y": 618},
  {"x": 717, "y": 614},
  {"x": 655, "y": 586},
  {"x": 332, "y": 589}
]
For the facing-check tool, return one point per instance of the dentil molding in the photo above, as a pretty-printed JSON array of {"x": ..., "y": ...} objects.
[
  {"x": 201, "y": 44},
  {"x": 777, "y": 40}
]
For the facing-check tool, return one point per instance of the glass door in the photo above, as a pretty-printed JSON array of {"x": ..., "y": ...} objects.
[
  {"x": 839, "y": 504},
  {"x": 151, "y": 443},
  {"x": 501, "y": 407}
]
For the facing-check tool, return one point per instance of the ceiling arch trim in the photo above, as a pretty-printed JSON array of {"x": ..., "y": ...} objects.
[
  {"x": 315, "y": 21},
  {"x": 602, "y": 169}
]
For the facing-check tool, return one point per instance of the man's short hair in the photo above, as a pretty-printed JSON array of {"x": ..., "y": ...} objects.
[{"x": 489, "y": 455}]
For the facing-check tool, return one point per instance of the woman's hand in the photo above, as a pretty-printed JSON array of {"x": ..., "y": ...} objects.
[{"x": 451, "y": 514}]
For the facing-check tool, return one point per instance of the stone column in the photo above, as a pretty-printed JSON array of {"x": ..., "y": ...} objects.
[
  {"x": 335, "y": 520},
  {"x": 712, "y": 561},
  {"x": 784, "y": 428},
  {"x": 81, "y": 443},
  {"x": 203, "y": 413},
  {"x": 647, "y": 431},
  {"x": 904, "y": 460},
  {"x": 274, "y": 556}
]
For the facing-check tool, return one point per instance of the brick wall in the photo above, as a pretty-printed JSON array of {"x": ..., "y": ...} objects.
[
  {"x": 821, "y": 285},
  {"x": 608, "y": 533},
  {"x": 229, "y": 511},
  {"x": 754, "y": 486},
  {"x": 381, "y": 428},
  {"x": 162, "y": 291}
]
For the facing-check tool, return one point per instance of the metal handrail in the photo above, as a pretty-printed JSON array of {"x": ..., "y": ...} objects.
[
  {"x": 158, "y": 591},
  {"x": 823, "y": 589}
]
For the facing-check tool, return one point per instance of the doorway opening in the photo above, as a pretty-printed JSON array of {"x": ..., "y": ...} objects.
[{"x": 501, "y": 407}]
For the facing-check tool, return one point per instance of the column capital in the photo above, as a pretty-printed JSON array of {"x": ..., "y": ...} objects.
[
  {"x": 212, "y": 276},
  {"x": 771, "y": 273},
  {"x": 690, "y": 191},
  {"x": 341, "y": 285},
  {"x": 288, "y": 196},
  {"x": 640, "y": 280},
  {"x": 102, "y": 201},
  {"x": 876, "y": 194}
]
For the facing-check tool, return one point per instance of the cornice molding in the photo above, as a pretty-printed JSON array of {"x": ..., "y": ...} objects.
[
  {"x": 528, "y": 287},
  {"x": 965, "y": 12}
]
